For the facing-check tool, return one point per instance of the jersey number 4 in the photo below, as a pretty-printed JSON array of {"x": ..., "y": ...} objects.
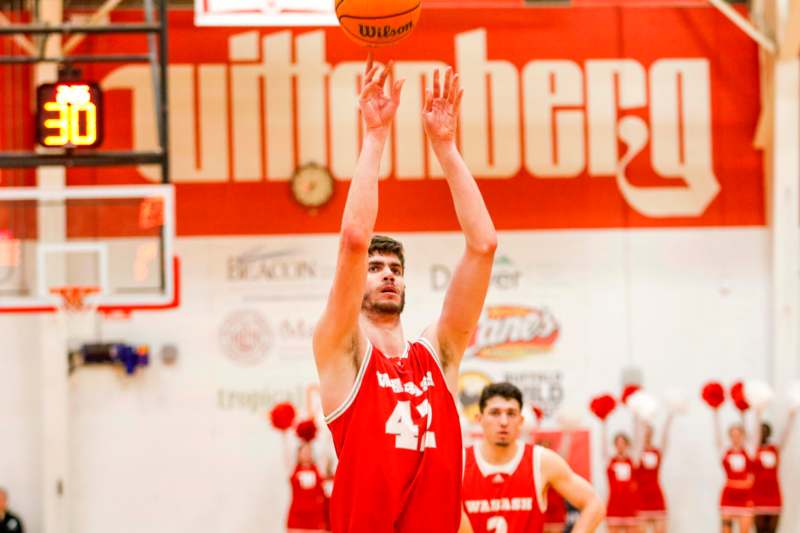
[{"x": 406, "y": 432}]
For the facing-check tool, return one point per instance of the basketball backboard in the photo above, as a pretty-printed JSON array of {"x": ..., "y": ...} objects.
[
  {"x": 264, "y": 13},
  {"x": 119, "y": 239}
]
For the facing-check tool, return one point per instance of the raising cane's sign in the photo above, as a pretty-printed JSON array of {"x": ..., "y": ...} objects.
[
  {"x": 512, "y": 331},
  {"x": 571, "y": 118}
]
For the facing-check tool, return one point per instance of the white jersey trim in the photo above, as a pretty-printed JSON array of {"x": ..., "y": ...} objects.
[
  {"x": 541, "y": 497},
  {"x": 427, "y": 344},
  {"x": 488, "y": 469},
  {"x": 336, "y": 413}
]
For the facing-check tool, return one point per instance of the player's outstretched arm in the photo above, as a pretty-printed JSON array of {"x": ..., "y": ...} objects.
[
  {"x": 338, "y": 344},
  {"x": 465, "y": 296},
  {"x": 576, "y": 490}
]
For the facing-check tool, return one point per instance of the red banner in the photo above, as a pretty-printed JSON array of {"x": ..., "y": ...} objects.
[{"x": 572, "y": 118}]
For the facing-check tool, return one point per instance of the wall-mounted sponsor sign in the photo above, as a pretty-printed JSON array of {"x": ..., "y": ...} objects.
[
  {"x": 614, "y": 127},
  {"x": 512, "y": 331},
  {"x": 505, "y": 276},
  {"x": 263, "y": 264},
  {"x": 248, "y": 338}
]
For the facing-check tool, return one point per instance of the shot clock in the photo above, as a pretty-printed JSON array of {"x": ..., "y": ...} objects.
[{"x": 69, "y": 114}]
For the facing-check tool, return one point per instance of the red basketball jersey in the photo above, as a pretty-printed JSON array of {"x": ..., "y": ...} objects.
[
  {"x": 398, "y": 439},
  {"x": 307, "y": 510},
  {"x": 503, "y": 498},
  {"x": 767, "y": 489}
]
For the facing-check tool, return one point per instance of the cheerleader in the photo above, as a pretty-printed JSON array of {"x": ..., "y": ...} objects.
[
  {"x": 652, "y": 507},
  {"x": 621, "y": 512},
  {"x": 307, "y": 511},
  {"x": 736, "y": 502},
  {"x": 766, "y": 487}
]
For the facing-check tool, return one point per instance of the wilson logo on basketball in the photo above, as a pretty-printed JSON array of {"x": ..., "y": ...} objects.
[
  {"x": 383, "y": 32},
  {"x": 508, "y": 332}
]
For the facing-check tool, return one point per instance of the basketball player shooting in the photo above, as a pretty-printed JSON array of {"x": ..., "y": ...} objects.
[
  {"x": 506, "y": 481},
  {"x": 389, "y": 402}
]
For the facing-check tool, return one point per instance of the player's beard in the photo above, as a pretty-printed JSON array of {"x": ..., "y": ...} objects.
[{"x": 383, "y": 308}]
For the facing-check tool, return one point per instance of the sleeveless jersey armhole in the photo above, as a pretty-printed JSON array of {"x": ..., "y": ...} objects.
[
  {"x": 428, "y": 346},
  {"x": 541, "y": 496},
  {"x": 336, "y": 413}
]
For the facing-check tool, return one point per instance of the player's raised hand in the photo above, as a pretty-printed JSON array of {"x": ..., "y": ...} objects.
[
  {"x": 440, "y": 111},
  {"x": 378, "y": 105}
]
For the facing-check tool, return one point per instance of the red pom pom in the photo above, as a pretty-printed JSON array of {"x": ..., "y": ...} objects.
[
  {"x": 713, "y": 394},
  {"x": 737, "y": 395},
  {"x": 306, "y": 430},
  {"x": 537, "y": 412},
  {"x": 603, "y": 405},
  {"x": 282, "y": 416},
  {"x": 629, "y": 391}
]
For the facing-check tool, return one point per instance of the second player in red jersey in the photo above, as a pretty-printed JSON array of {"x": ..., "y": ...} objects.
[
  {"x": 389, "y": 402},
  {"x": 506, "y": 481}
]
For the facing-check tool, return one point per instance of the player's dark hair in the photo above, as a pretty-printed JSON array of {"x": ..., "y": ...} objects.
[
  {"x": 504, "y": 390},
  {"x": 766, "y": 433},
  {"x": 381, "y": 244}
]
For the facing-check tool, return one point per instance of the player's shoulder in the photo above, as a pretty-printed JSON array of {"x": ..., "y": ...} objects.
[{"x": 549, "y": 462}]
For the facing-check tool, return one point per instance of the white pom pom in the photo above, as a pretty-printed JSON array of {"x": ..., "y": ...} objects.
[
  {"x": 676, "y": 401},
  {"x": 794, "y": 395},
  {"x": 758, "y": 394},
  {"x": 569, "y": 417},
  {"x": 644, "y": 405}
]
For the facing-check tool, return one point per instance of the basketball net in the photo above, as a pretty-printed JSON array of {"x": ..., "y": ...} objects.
[{"x": 77, "y": 312}]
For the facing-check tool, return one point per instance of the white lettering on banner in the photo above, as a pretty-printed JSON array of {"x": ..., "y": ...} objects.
[{"x": 554, "y": 118}]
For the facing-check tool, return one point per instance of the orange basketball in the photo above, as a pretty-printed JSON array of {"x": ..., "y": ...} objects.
[{"x": 377, "y": 22}]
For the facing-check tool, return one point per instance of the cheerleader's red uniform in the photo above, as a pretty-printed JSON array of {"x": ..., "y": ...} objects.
[
  {"x": 622, "y": 502},
  {"x": 307, "y": 510},
  {"x": 556, "y": 513},
  {"x": 649, "y": 493},
  {"x": 737, "y": 496},
  {"x": 766, "y": 488}
]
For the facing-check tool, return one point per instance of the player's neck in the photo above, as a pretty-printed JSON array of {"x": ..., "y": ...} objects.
[
  {"x": 386, "y": 335},
  {"x": 498, "y": 455}
]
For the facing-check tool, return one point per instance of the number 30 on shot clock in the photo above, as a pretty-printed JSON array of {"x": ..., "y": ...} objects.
[{"x": 69, "y": 115}]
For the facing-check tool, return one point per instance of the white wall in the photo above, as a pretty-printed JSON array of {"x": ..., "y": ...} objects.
[{"x": 188, "y": 447}]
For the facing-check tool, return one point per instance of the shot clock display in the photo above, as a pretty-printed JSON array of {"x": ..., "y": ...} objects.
[{"x": 69, "y": 114}]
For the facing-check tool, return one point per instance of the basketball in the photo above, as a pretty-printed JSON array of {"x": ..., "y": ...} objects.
[{"x": 377, "y": 22}]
